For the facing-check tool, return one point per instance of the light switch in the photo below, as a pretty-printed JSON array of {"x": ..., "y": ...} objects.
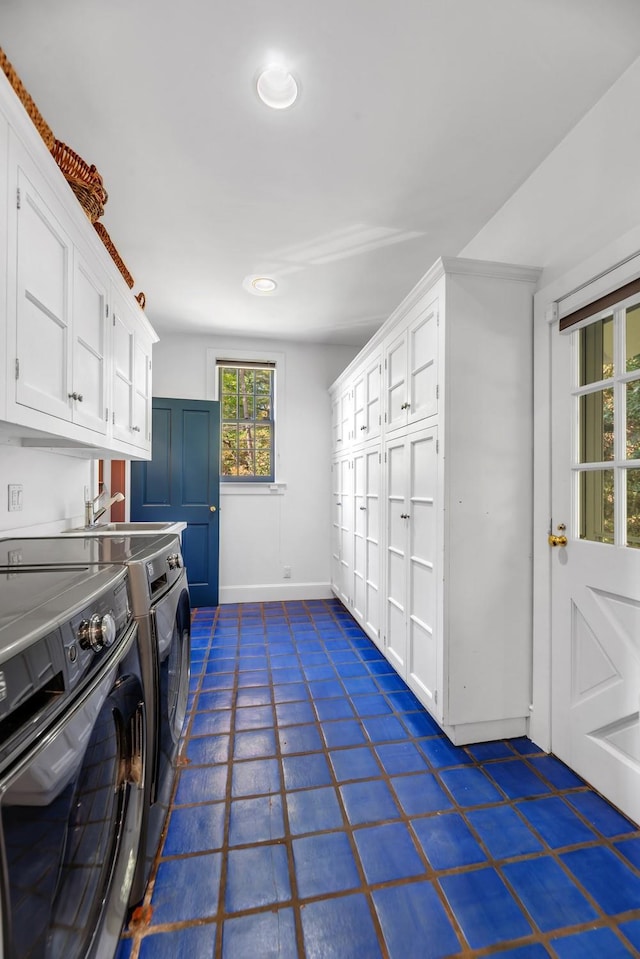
[{"x": 15, "y": 497}]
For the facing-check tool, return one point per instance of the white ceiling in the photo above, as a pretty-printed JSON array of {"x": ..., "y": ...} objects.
[{"x": 416, "y": 121}]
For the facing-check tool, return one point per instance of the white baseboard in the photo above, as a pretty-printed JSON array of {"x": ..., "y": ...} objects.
[{"x": 274, "y": 593}]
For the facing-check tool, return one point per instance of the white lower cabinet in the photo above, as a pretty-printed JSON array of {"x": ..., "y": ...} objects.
[
  {"x": 342, "y": 530},
  {"x": 410, "y": 631},
  {"x": 367, "y": 490},
  {"x": 449, "y": 539}
]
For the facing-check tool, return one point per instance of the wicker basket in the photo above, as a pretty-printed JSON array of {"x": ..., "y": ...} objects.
[
  {"x": 41, "y": 126},
  {"x": 84, "y": 180},
  {"x": 115, "y": 256}
]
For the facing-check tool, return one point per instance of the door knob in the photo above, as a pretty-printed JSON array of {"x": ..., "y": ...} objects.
[
  {"x": 558, "y": 540},
  {"x": 212, "y": 509}
]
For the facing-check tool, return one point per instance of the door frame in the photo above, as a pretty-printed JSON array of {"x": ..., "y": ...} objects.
[{"x": 608, "y": 270}]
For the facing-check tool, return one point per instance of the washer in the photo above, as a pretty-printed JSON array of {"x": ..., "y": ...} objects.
[
  {"x": 161, "y": 607},
  {"x": 72, "y": 760}
]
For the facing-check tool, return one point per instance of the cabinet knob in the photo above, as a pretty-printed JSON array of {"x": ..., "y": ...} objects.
[
  {"x": 79, "y": 397},
  {"x": 405, "y": 406},
  {"x": 362, "y": 507},
  {"x": 73, "y": 396},
  {"x": 363, "y": 427},
  {"x": 404, "y": 515},
  {"x": 135, "y": 429}
]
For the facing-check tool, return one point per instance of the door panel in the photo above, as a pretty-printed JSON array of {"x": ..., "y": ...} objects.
[
  {"x": 423, "y": 365},
  {"x": 43, "y": 306},
  {"x": 396, "y": 382},
  {"x": 181, "y": 483},
  {"x": 89, "y": 347},
  {"x": 595, "y": 577},
  {"x": 423, "y": 640},
  {"x": 396, "y": 467},
  {"x": 359, "y": 536}
]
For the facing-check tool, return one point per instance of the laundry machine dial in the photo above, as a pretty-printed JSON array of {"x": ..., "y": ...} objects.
[{"x": 97, "y": 632}]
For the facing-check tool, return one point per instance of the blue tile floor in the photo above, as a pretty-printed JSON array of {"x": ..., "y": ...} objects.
[{"x": 320, "y": 813}]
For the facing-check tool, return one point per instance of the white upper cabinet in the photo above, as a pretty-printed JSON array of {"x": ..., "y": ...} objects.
[
  {"x": 367, "y": 414},
  {"x": 61, "y": 379},
  {"x": 90, "y": 332},
  {"x": 411, "y": 368},
  {"x": 39, "y": 314},
  {"x": 131, "y": 417}
]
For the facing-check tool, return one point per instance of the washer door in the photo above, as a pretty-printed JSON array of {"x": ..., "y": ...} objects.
[{"x": 71, "y": 818}]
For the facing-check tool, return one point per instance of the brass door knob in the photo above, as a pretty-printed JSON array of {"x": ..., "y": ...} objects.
[
  {"x": 212, "y": 509},
  {"x": 557, "y": 540}
]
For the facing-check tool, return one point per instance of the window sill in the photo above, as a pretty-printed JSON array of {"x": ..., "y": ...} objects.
[{"x": 252, "y": 489}]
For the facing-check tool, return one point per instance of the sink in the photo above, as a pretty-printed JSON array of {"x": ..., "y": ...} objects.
[
  {"x": 136, "y": 527},
  {"x": 110, "y": 529}
]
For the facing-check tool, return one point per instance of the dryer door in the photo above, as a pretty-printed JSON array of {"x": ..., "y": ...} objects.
[
  {"x": 171, "y": 628},
  {"x": 71, "y": 812}
]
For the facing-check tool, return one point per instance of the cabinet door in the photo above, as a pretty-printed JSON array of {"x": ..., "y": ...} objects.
[
  {"x": 42, "y": 305},
  {"x": 396, "y": 389},
  {"x": 422, "y": 360},
  {"x": 366, "y": 541},
  {"x": 342, "y": 530},
  {"x": 423, "y": 566},
  {"x": 141, "y": 420},
  {"x": 346, "y": 416},
  {"x": 336, "y": 438},
  {"x": 396, "y": 553},
  {"x": 373, "y": 418},
  {"x": 123, "y": 347},
  {"x": 89, "y": 380},
  {"x": 412, "y": 565},
  {"x": 366, "y": 401},
  {"x": 360, "y": 406}
]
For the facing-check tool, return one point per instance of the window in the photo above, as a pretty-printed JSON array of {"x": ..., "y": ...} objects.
[
  {"x": 607, "y": 415},
  {"x": 246, "y": 392}
]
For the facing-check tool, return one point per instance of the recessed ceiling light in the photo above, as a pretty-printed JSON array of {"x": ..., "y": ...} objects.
[
  {"x": 259, "y": 284},
  {"x": 277, "y": 87}
]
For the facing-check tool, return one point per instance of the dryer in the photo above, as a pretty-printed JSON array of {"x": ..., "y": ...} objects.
[
  {"x": 161, "y": 608},
  {"x": 72, "y": 760}
]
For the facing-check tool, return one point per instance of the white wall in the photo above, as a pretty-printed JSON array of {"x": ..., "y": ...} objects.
[
  {"x": 53, "y": 490},
  {"x": 577, "y": 216},
  {"x": 261, "y": 532}
]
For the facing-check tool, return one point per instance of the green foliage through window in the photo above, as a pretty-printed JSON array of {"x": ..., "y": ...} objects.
[{"x": 246, "y": 395}]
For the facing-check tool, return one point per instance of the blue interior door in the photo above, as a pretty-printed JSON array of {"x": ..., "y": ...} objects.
[{"x": 181, "y": 482}]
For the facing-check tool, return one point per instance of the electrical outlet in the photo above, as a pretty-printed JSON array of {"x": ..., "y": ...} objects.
[
  {"x": 15, "y": 497},
  {"x": 286, "y": 572}
]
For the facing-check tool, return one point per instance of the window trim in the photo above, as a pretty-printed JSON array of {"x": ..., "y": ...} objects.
[{"x": 220, "y": 355}]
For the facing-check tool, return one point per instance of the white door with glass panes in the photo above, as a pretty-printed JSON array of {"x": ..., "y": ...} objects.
[
  {"x": 594, "y": 539},
  {"x": 366, "y": 476},
  {"x": 342, "y": 529}
]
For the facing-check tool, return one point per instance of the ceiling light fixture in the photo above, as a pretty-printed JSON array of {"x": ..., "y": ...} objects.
[
  {"x": 260, "y": 284},
  {"x": 277, "y": 87}
]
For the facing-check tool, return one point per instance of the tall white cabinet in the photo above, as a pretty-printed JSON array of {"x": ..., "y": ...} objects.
[{"x": 432, "y": 539}]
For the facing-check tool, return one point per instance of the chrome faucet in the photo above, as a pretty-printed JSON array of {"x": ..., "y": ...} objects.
[{"x": 95, "y": 508}]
